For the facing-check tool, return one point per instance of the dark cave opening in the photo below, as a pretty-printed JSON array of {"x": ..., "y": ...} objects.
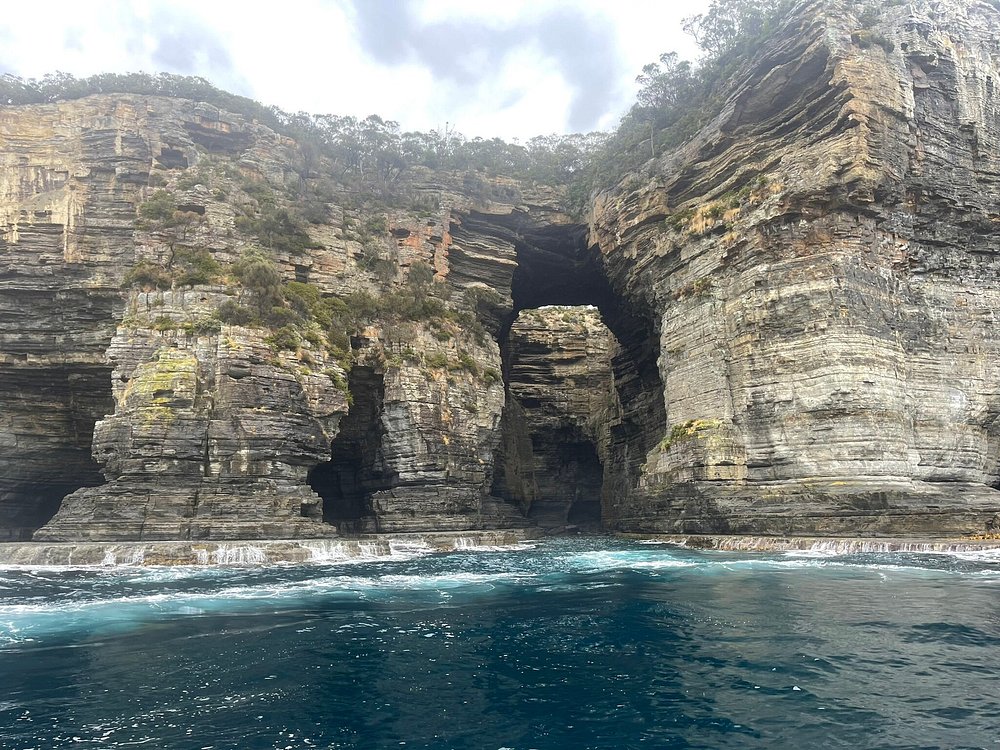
[
  {"x": 568, "y": 481},
  {"x": 588, "y": 471},
  {"x": 26, "y": 508},
  {"x": 354, "y": 472},
  {"x": 50, "y": 453},
  {"x": 557, "y": 266}
]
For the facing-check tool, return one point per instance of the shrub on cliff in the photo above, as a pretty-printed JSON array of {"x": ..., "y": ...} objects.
[
  {"x": 676, "y": 97},
  {"x": 148, "y": 276},
  {"x": 160, "y": 207},
  {"x": 186, "y": 267},
  {"x": 194, "y": 266},
  {"x": 260, "y": 279},
  {"x": 233, "y": 313},
  {"x": 278, "y": 229}
]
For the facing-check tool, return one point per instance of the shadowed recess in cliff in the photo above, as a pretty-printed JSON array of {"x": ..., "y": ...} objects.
[
  {"x": 347, "y": 481},
  {"x": 557, "y": 267},
  {"x": 45, "y": 435},
  {"x": 560, "y": 404}
]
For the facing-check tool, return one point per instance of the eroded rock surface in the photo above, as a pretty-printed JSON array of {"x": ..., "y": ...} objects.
[
  {"x": 563, "y": 399},
  {"x": 212, "y": 436},
  {"x": 823, "y": 258},
  {"x": 177, "y": 426},
  {"x": 803, "y": 297}
]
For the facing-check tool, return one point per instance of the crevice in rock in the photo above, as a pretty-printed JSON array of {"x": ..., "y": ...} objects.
[
  {"x": 172, "y": 158},
  {"x": 557, "y": 422},
  {"x": 355, "y": 470}
]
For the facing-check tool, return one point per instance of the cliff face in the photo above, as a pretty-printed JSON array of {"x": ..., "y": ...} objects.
[
  {"x": 64, "y": 238},
  {"x": 800, "y": 310},
  {"x": 175, "y": 423},
  {"x": 823, "y": 260}
]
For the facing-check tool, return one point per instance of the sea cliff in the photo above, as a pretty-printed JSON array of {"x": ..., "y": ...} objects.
[{"x": 785, "y": 326}]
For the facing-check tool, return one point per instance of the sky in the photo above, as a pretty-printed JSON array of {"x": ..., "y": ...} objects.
[{"x": 507, "y": 68}]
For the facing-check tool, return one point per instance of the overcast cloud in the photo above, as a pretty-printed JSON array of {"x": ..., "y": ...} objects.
[
  {"x": 469, "y": 53},
  {"x": 513, "y": 69}
]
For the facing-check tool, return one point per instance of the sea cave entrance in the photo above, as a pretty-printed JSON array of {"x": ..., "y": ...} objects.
[
  {"x": 48, "y": 452},
  {"x": 583, "y": 395},
  {"x": 355, "y": 470},
  {"x": 561, "y": 402}
]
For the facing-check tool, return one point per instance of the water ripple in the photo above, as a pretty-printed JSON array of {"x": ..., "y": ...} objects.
[{"x": 587, "y": 643}]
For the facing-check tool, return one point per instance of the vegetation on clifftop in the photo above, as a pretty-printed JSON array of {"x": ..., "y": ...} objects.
[{"x": 675, "y": 99}]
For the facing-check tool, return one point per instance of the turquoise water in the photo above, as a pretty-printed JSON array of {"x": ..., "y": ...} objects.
[{"x": 585, "y": 643}]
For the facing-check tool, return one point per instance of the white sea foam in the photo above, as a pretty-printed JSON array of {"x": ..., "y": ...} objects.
[
  {"x": 290, "y": 590},
  {"x": 615, "y": 559},
  {"x": 791, "y": 560},
  {"x": 823, "y": 553},
  {"x": 841, "y": 547},
  {"x": 492, "y": 542},
  {"x": 446, "y": 580},
  {"x": 346, "y": 553},
  {"x": 401, "y": 548},
  {"x": 239, "y": 554},
  {"x": 330, "y": 551},
  {"x": 33, "y": 568},
  {"x": 19, "y": 622},
  {"x": 467, "y": 546},
  {"x": 979, "y": 555}
]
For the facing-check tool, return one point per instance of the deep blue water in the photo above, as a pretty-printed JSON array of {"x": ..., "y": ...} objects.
[{"x": 587, "y": 643}]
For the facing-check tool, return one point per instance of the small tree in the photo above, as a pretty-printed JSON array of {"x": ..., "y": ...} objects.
[
  {"x": 258, "y": 275},
  {"x": 160, "y": 207},
  {"x": 731, "y": 23},
  {"x": 420, "y": 279}
]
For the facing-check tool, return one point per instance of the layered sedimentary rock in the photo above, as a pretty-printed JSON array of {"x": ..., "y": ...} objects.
[
  {"x": 823, "y": 258},
  {"x": 183, "y": 440},
  {"x": 212, "y": 435},
  {"x": 66, "y": 222},
  {"x": 563, "y": 402},
  {"x": 179, "y": 426},
  {"x": 803, "y": 302},
  {"x": 437, "y": 429}
]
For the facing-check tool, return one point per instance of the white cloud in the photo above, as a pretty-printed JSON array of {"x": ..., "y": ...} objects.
[{"x": 307, "y": 55}]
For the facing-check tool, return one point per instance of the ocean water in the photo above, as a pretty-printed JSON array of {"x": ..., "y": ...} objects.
[{"x": 570, "y": 643}]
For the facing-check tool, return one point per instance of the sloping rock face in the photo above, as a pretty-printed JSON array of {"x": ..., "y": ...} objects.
[
  {"x": 823, "y": 259},
  {"x": 562, "y": 406}
]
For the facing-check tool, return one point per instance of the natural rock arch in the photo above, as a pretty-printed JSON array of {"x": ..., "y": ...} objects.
[{"x": 556, "y": 266}]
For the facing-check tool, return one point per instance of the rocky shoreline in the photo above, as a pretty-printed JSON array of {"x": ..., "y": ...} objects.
[
  {"x": 249, "y": 552},
  {"x": 277, "y": 551},
  {"x": 829, "y": 545}
]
